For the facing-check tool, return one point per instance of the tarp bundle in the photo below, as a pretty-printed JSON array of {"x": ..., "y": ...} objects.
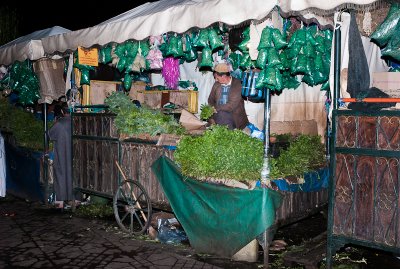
[{"x": 217, "y": 219}]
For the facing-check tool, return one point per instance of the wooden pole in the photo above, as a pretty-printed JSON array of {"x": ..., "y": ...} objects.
[{"x": 134, "y": 196}]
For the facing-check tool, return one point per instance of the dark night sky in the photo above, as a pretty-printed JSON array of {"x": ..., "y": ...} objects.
[{"x": 73, "y": 15}]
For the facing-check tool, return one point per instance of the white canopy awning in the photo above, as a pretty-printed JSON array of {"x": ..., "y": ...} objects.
[
  {"x": 178, "y": 16},
  {"x": 28, "y": 46}
]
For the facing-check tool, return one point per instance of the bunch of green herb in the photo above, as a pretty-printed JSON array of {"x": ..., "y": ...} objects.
[
  {"x": 27, "y": 130},
  {"x": 220, "y": 153},
  {"x": 133, "y": 120},
  {"x": 206, "y": 111},
  {"x": 305, "y": 153}
]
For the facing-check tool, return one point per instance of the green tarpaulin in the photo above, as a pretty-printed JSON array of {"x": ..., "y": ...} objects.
[{"x": 217, "y": 219}]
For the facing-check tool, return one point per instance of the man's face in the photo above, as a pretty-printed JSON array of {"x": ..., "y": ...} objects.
[{"x": 221, "y": 78}]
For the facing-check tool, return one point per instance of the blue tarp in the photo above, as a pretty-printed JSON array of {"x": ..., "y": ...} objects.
[
  {"x": 313, "y": 181},
  {"x": 23, "y": 173}
]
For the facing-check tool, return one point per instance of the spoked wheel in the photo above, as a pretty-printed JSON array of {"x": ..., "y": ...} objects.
[{"x": 132, "y": 207}]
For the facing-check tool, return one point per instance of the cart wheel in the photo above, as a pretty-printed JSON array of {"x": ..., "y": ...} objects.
[{"x": 132, "y": 207}]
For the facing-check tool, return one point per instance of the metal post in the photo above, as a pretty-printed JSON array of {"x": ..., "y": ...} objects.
[
  {"x": 265, "y": 171},
  {"x": 337, "y": 59},
  {"x": 46, "y": 156}
]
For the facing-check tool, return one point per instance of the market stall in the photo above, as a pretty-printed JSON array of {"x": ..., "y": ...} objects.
[
  {"x": 21, "y": 86},
  {"x": 125, "y": 42}
]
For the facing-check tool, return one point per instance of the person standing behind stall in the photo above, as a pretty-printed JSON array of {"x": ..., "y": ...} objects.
[
  {"x": 226, "y": 98},
  {"x": 60, "y": 133}
]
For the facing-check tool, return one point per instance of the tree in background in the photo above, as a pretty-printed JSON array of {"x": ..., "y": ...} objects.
[{"x": 9, "y": 24}]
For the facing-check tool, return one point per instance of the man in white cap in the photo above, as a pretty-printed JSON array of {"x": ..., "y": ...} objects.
[{"x": 226, "y": 97}]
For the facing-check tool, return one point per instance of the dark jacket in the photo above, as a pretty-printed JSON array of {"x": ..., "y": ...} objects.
[{"x": 235, "y": 104}]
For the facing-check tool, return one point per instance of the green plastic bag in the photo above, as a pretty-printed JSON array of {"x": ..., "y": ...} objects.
[
  {"x": 278, "y": 80},
  {"x": 85, "y": 78},
  {"x": 262, "y": 58},
  {"x": 392, "y": 50},
  {"x": 325, "y": 86},
  {"x": 246, "y": 63},
  {"x": 206, "y": 58},
  {"x": 105, "y": 54},
  {"x": 320, "y": 44},
  {"x": 202, "y": 39},
  {"x": 289, "y": 82},
  {"x": 270, "y": 77},
  {"x": 214, "y": 40},
  {"x": 301, "y": 35},
  {"x": 131, "y": 48},
  {"x": 121, "y": 64},
  {"x": 266, "y": 39},
  {"x": 387, "y": 29},
  {"x": 127, "y": 81},
  {"x": 190, "y": 51},
  {"x": 235, "y": 59},
  {"x": 309, "y": 50},
  {"x": 261, "y": 81},
  {"x": 301, "y": 65},
  {"x": 175, "y": 47},
  {"x": 273, "y": 57},
  {"x": 246, "y": 38},
  {"x": 278, "y": 39},
  {"x": 284, "y": 60}
]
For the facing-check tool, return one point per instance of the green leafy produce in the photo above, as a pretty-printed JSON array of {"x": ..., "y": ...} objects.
[
  {"x": 27, "y": 130},
  {"x": 220, "y": 153},
  {"x": 305, "y": 153},
  {"x": 133, "y": 120},
  {"x": 206, "y": 111}
]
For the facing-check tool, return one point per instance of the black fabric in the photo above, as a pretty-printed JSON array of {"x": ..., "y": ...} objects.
[
  {"x": 370, "y": 93},
  {"x": 358, "y": 73}
]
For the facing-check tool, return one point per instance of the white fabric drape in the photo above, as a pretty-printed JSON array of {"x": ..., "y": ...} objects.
[{"x": 2, "y": 168}]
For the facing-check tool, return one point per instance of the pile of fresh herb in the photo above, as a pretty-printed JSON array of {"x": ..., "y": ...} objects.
[
  {"x": 220, "y": 153},
  {"x": 27, "y": 130},
  {"x": 206, "y": 111},
  {"x": 305, "y": 153},
  {"x": 133, "y": 120}
]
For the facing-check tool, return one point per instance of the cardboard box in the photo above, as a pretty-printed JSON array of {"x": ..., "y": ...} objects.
[
  {"x": 388, "y": 82},
  {"x": 99, "y": 90}
]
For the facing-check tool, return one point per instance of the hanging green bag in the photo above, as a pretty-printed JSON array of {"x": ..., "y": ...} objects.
[
  {"x": 127, "y": 81},
  {"x": 261, "y": 81},
  {"x": 278, "y": 39},
  {"x": 214, "y": 40},
  {"x": 235, "y": 59},
  {"x": 266, "y": 39},
  {"x": 175, "y": 47},
  {"x": 246, "y": 38},
  {"x": 206, "y": 58},
  {"x": 190, "y": 51},
  {"x": 262, "y": 59},
  {"x": 273, "y": 58},
  {"x": 278, "y": 80},
  {"x": 202, "y": 39},
  {"x": 387, "y": 28},
  {"x": 131, "y": 49},
  {"x": 270, "y": 77},
  {"x": 325, "y": 86},
  {"x": 105, "y": 54}
]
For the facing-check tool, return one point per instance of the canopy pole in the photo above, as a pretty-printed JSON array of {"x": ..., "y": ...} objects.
[
  {"x": 265, "y": 170},
  {"x": 46, "y": 155},
  {"x": 336, "y": 88}
]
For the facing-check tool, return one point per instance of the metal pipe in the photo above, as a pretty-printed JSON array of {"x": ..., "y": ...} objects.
[
  {"x": 265, "y": 170},
  {"x": 46, "y": 155},
  {"x": 337, "y": 59}
]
